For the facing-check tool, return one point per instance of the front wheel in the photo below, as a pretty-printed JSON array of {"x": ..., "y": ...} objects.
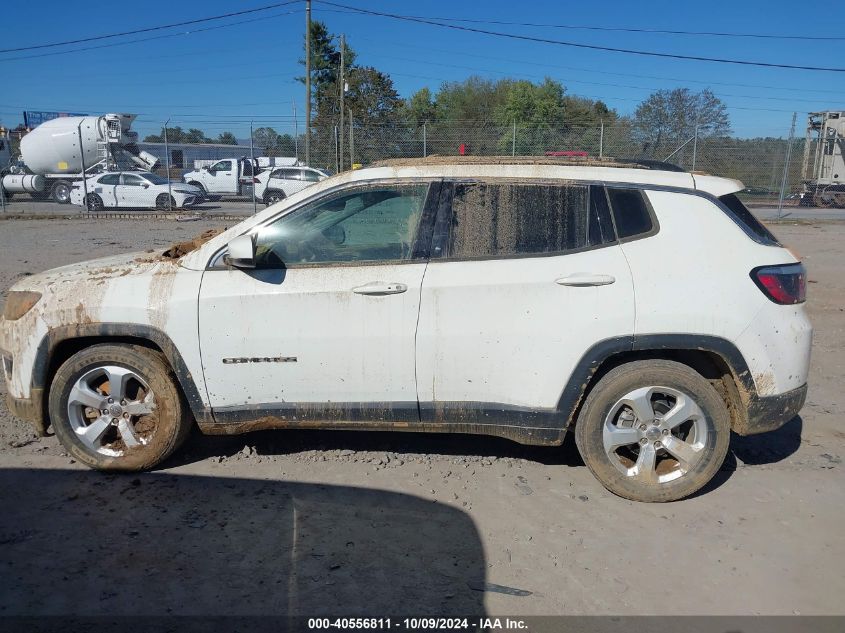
[
  {"x": 653, "y": 431},
  {"x": 161, "y": 202},
  {"x": 117, "y": 407}
]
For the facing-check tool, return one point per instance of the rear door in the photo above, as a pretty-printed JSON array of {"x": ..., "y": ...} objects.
[
  {"x": 523, "y": 280},
  {"x": 106, "y": 188}
]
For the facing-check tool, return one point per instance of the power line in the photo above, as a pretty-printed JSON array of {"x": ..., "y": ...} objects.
[
  {"x": 151, "y": 28},
  {"x": 147, "y": 39},
  {"x": 607, "y": 72},
  {"x": 626, "y": 29},
  {"x": 611, "y": 49}
]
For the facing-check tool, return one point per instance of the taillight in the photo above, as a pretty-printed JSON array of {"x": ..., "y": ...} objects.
[{"x": 785, "y": 284}]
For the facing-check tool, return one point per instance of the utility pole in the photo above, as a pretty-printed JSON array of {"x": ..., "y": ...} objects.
[
  {"x": 342, "y": 93},
  {"x": 295, "y": 132},
  {"x": 351, "y": 141},
  {"x": 308, "y": 82},
  {"x": 601, "y": 140},
  {"x": 252, "y": 168},
  {"x": 167, "y": 162}
]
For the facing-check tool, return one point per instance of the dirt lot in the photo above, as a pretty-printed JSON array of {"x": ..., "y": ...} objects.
[{"x": 350, "y": 523}]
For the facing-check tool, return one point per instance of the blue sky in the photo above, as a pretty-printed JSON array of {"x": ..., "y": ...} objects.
[{"x": 220, "y": 78}]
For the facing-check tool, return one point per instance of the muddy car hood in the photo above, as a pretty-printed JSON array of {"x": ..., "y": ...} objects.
[{"x": 96, "y": 270}]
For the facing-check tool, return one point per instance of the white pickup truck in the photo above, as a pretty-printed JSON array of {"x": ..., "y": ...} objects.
[{"x": 229, "y": 176}]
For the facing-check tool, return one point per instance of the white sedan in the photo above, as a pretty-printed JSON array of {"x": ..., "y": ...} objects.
[{"x": 133, "y": 189}]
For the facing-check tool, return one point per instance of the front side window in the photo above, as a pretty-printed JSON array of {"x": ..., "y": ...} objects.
[
  {"x": 155, "y": 179},
  {"x": 221, "y": 165},
  {"x": 504, "y": 219},
  {"x": 132, "y": 180},
  {"x": 362, "y": 225}
]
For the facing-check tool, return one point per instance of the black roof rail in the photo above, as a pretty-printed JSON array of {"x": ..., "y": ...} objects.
[{"x": 652, "y": 164}]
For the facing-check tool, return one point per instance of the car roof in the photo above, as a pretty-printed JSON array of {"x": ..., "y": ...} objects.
[{"x": 607, "y": 170}]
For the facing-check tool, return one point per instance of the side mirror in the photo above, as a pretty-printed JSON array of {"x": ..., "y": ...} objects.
[
  {"x": 205, "y": 168},
  {"x": 241, "y": 252}
]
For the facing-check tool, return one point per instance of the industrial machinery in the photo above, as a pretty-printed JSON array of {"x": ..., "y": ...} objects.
[
  {"x": 59, "y": 151},
  {"x": 823, "y": 168}
]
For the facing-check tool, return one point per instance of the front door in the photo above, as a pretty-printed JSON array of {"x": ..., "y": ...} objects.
[
  {"x": 324, "y": 326},
  {"x": 523, "y": 280},
  {"x": 134, "y": 191},
  {"x": 224, "y": 177}
]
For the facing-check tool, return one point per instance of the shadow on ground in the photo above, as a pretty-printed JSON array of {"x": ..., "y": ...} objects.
[
  {"x": 287, "y": 442},
  {"x": 86, "y": 543}
]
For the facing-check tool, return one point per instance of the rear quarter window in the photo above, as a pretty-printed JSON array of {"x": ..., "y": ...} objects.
[
  {"x": 740, "y": 214},
  {"x": 630, "y": 212}
]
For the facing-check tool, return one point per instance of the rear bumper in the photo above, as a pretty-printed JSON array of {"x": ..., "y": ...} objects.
[
  {"x": 30, "y": 410},
  {"x": 768, "y": 413}
]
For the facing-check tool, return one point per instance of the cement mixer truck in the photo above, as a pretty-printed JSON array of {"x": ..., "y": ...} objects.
[{"x": 59, "y": 151}]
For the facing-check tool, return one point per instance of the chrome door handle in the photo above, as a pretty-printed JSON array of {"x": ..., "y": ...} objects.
[
  {"x": 585, "y": 279},
  {"x": 380, "y": 288}
]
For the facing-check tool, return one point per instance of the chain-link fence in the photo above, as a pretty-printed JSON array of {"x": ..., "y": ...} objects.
[{"x": 202, "y": 163}]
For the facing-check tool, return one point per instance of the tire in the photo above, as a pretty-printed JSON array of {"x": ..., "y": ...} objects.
[
  {"x": 273, "y": 196},
  {"x": 821, "y": 201},
  {"x": 839, "y": 199},
  {"x": 161, "y": 202},
  {"x": 702, "y": 436},
  {"x": 60, "y": 192},
  {"x": 153, "y": 425},
  {"x": 94, "y": 203}
]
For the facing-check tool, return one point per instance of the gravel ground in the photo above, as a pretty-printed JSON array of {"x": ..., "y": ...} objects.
[{"x": 348, "y": 523}]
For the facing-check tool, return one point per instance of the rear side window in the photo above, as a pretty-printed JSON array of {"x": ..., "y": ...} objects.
[
  {"x": 747, "y": 222},
  {"x": 630, "y": 212},
  {"x": 516, "y": 219}
]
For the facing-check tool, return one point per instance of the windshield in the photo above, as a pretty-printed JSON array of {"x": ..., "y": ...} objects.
[{"x": 155, "y": 179}]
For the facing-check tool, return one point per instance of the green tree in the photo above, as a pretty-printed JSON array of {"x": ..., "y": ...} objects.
[
  {"x": 227, "y": 138},
  {"x": 668, "y": 118},
  {"x": 420, "y": 107},
  {"x": 177, "y": 135},
  {"x": 268, "y": 142}
]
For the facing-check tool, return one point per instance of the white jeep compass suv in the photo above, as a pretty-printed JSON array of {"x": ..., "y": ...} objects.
[{"x": 643, "y": 307}]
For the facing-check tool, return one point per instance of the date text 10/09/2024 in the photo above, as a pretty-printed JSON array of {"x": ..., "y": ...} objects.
[{"x": 418, "y": 624}]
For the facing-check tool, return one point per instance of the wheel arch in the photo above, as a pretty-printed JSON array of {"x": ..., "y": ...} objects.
[
  {"x": 714, "y": 358},
  {"x": 63, "y": 342}
]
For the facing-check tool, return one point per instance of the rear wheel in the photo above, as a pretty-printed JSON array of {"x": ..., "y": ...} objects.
[
  {"x": 273, "y": 196},
  {"x": 161, "y": 202},
  {"x": 94, "y": 203},
  {"x": 653, "y": 431},
  {"x": 839, "y": 199},
  {"x": 60, "y": 192},
  {"x": 822, "y": 200},
  {"x": 117, "y": 407}
]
